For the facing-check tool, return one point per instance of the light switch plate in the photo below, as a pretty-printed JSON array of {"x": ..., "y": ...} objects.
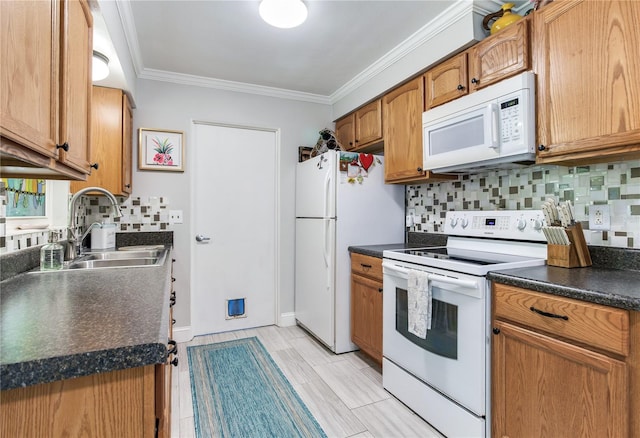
[
  {"x": 175, "y": 216},
  {"x": 599, "y": 217}
]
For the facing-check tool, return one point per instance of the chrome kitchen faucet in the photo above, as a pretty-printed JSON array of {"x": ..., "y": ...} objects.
[{"x": 74, "y": 244}]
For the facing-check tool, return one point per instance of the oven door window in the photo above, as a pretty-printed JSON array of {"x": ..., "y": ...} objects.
[{"x": 442, "y": 338}]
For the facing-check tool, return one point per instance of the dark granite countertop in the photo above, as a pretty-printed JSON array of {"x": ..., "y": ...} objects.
[
  {"x": 72, "y": 323},
  {"x": 607, "y": 286},
  {"x": 414, "y": 240},
  {"x": 375, "y": 250}
]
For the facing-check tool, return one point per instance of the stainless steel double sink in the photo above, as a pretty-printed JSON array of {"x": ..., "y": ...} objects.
[{"x": 116, "y": 259}]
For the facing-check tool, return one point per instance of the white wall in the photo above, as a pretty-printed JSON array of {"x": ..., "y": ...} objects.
[{"x": 174, "y": 107}]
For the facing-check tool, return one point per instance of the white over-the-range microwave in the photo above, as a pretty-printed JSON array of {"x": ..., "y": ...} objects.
[{"x": 491, "y": 128}]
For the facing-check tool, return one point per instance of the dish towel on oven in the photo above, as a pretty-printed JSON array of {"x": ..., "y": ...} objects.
[{"x": 419, "y": 303}]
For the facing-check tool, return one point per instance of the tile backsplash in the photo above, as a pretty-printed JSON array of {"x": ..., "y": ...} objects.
[
  {"x": 138, "y": 214},
  {"x": 616, "y": 184}
]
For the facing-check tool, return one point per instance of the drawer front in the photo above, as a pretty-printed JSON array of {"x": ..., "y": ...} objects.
[
  {"x": 366, "y": 265},
  {"x": 599, "y": 326}
]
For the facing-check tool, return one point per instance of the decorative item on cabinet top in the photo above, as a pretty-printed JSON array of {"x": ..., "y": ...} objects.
[
  {"x": 504, "y": 18},
  {"x": 326, "y": 142},
  {"x": 161, "y": 149}
]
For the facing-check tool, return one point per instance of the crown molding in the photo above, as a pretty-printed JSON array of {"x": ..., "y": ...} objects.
[{"x": 239, "y": 87}]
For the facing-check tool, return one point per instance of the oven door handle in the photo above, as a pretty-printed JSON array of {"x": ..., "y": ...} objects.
[{"x": 469, "y": 284}]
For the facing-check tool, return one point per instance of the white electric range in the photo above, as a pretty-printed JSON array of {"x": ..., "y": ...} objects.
[{"x": 445, "y": 376}]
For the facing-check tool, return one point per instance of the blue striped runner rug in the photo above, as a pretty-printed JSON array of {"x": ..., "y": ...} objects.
[{"x": 239, "y": 392}]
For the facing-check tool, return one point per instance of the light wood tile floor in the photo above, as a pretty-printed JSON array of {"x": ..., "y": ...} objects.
[{"x": 344, "y": 392}]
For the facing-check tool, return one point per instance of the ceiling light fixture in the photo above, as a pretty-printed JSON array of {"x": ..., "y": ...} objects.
[
  {"x": 284, "y": 14},
  {"x": 100, "y": 67}
]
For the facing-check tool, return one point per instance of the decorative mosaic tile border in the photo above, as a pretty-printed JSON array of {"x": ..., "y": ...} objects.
[
  {"x": 149, "y": 214},
  {"x": 617, "y": 185},
  {"x": 138, "y": 214}
]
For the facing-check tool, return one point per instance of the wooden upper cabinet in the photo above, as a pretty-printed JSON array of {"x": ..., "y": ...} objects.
[
  {"x": 111, "y": 142},
  {"x": 402, "y": 112},
  {"x": 402, "y": 128},
  {"x": 77, "y": 48},
  {"x": 30, "y": 54},
  {"x": 588, "y": 69},
  {"x": 368, "y": 124},
  {"x": 500, "y": 56},
  {"x": 497, "y": 57},
  {"x": 346, "y": 131},
  {"x": 446, "y": 81},
  {"x": 45, "y": 87},
  {"x": 361, "y": 130},
  {"x": 127, "y": 145}
]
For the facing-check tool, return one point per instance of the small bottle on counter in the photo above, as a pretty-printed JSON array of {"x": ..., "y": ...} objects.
[{"x": 52, "y": 254}]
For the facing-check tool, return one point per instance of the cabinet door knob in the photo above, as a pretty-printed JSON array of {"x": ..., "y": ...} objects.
[
  {"x": 419, "y": 169},
  {"x": 380, "y": 289},
  {"x": 496, "y": 331},
  {"x": 541, "y": 147},
  {"x": 474, "y": 81},
  {"x": 174, "y": 362},
  {"x": 64, "y": 146},
  {"x": 460, "y": 87},
  {"x": 95, "y": 166},
  {"x": 350, "y": 143},
  {"x": 174, "y": 347}
]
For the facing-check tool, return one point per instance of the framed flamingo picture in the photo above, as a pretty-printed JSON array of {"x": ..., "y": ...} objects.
[{"x": 161, "y": 149}]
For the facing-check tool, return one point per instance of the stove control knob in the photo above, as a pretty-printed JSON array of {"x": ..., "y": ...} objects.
[
  {"x": 453, "y": 222},
  {"x": 521, "y": 224},
  {"x": 465, "y": 222},
  {"x": 537, "y": 224}
]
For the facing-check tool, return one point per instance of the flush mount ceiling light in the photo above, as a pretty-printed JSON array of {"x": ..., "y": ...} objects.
[
  {"x": 283, "y": 13},
  {"x": 100, "y": 68}
]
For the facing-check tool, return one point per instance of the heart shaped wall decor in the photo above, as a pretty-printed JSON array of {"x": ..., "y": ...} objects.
[{"x": 366, "y": 160}]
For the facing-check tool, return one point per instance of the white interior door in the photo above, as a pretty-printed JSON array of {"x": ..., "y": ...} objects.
[{"x": 234, "y": 210}]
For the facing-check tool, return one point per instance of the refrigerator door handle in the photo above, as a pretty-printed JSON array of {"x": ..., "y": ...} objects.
[
  {"x": 327, "y": 185},
  {"x": 327, "y": 224},
  {"x": 325, "y": 253}
]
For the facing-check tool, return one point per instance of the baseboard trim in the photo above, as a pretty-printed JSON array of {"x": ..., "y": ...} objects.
[
  {"x": 182, "y": 334},
  {"x": 287, "y": 319}
]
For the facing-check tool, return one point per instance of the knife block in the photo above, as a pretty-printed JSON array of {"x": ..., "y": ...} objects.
[{"x": 574, "y": 255}]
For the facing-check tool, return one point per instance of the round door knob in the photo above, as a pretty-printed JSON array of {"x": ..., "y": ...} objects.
[
  {"x": 541, "y": 147},
  {"x": 64, "y": 146},
  {"x": 460, "y": 87},
  {"x": 474, "y": 81},
  {"x": 496, "y": 331},
  {"x": 95, "y": 166}
]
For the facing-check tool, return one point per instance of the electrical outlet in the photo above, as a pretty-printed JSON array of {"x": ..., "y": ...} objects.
[
  {"x": 175, "y": 216},
  {"x": 599, "y": 218}
]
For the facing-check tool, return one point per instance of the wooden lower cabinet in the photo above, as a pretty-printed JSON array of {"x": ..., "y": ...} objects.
[
  {"x": 549, "y": 380},
  {"x": 366, "y": 304},
  {"x": 114, "y": 404},
  {"x": 546, "y": 387}
]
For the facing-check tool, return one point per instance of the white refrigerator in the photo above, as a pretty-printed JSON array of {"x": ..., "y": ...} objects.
[{"x": 336, "y": 209}]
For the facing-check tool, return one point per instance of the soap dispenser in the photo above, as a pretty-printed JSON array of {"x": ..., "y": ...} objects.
[{"x": 52, "y": 254}]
